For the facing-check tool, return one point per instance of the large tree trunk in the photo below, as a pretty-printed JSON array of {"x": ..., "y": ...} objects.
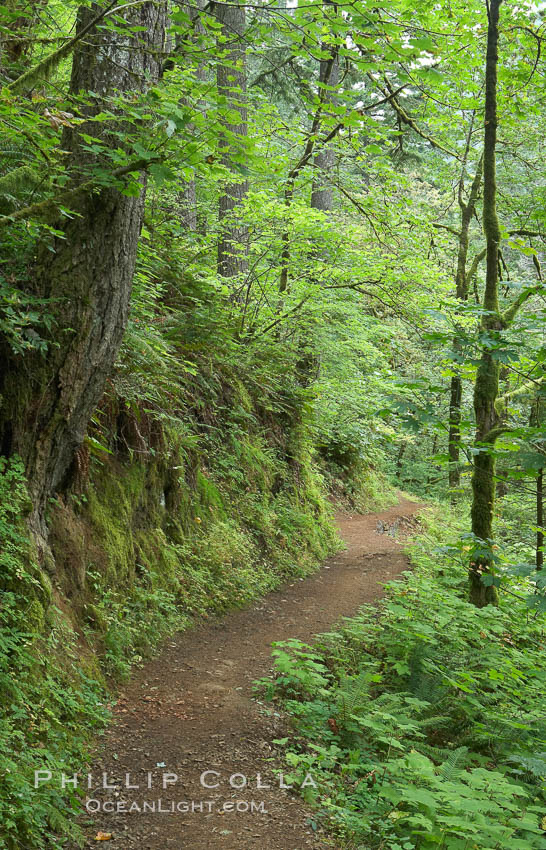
[
  {"x": 86, "y": 273},
  {"x": 487, "y": 380},
  {"x": 231, "y": 81}
]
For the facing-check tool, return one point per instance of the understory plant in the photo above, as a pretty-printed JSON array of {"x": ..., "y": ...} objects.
[
  {"x": 51, "y": 697},
  {"x": 423, "y": 720}
]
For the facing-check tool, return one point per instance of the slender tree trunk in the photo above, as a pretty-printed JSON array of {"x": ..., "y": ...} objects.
[
  {"x": 462, "y": 283},
  {"x": 487, "y": 380},
  {"x": 231, "y": 81},
  {"x": 187, "y": 196},
  {"x": 501, "y": 481},
  {"x": 399, "y": 459},
  {"x": 433, "y": 469},
  {"x": 455, "y": 398},
  {"x": 535, "y": 421},
  {"x": 86, "y": 273},
  {"x": 540, "y": 521},
  {"x": 322, "y": 196}
]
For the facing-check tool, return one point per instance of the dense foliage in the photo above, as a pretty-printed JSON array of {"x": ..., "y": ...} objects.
[
  {"x": 253, "y": 258},
  {"x": 424, "y": 727}
]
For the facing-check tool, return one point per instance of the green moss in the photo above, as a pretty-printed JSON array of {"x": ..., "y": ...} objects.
[
  {"x": 35, "y": 616},
  {"x": 50, "y": 703},
  {"x": 208, "y": 494},
  {"x": 110, "y": 516},
  {"x": 210, "y": 522}
]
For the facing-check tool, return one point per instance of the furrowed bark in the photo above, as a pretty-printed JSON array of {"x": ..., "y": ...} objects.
[
  {"x": 87, "y": 273},
  {"x": 322, "y": 195},
  {"x": 231, "y": 80}
]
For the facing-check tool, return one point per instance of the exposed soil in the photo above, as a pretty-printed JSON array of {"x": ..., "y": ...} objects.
[{"x": 191, "y": 710}]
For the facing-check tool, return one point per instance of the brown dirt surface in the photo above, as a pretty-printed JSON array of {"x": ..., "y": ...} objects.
[{"x": 191, "y": 709}]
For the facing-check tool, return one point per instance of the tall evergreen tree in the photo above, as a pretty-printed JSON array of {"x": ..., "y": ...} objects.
[
  {"x": 231, "y": 81},
  {"x": 87, "y": 269}
]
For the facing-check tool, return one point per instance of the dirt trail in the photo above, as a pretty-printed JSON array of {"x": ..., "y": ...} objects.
[{"x": 190, "y": 710}]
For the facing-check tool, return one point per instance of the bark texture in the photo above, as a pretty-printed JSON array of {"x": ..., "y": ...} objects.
[
  {"x": 88, "y": 273},
  {"x": 462, "y": 284},
  {"x": 231, "y": 81},
  {"x": 322, "y": 195},
  {"x": 187, "y": 197},
  {"x": 486, "y": 388},
  {"x": 535, "y": 421}
]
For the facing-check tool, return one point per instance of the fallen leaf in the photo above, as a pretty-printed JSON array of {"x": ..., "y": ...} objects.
[{"x": 103, "y": 836}]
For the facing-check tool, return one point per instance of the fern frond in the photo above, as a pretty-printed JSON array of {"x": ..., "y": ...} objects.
[
  {"x": 10, "y": 151},
  {"x": 16, "y": 183},
  {"x": 436, "y": 722},
  {"x": 534, "y": 765},
  {"x": 353, "y": 694},
  {"x": 19, "y": 179},
  {"x": 422, "y": 682},
  {"x": 453, "y": 765},
  {"x": 435, "y": 754}
]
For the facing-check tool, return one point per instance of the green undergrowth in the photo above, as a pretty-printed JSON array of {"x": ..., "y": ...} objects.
[
  {"x": 127, "y": 574},
  {"x": 168, "y": 519},
  {"x": 51, "y": 696},
  {"x": 423, "y": 720},
  {"x": 200, "y": 486},
  {"x": 359, "y": 486},
  {"x": 161, "y": 542}
]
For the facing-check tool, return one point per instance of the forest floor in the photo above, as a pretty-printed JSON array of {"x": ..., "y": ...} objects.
[{"x": 191, "y": 709}]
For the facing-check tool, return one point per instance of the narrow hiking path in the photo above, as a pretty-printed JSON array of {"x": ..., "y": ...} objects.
[{"x": 190, "y": 710}]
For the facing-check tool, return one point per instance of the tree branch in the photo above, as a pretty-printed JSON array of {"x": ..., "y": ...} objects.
[
  {"x": 48, "y": 65},
  {"x": 502, "y": 400},
  {"x": 474, "y": 266},
  {"x": 509, "y": 315},
  {"x": 446, "y": 227},
  {"x": 48, "y": 210},
  {"x": 407, "y": 119},
  {"x": 523, "y": 232}
]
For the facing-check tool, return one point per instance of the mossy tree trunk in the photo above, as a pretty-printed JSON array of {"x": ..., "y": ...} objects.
[
  {"x": 535, "y": 421},
  {"x": 540, "y": 521},
  {"x": 486, "y": 388},
  {"x": 462, "y": 284},
  {"x": 86, "y": 272}
]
